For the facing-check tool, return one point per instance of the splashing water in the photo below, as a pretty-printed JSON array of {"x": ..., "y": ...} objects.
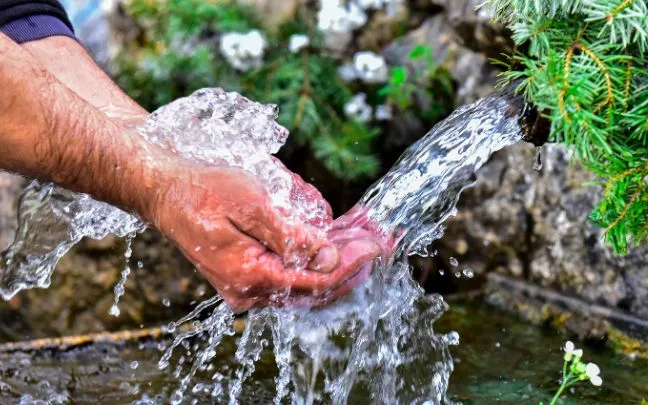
[
  {"x": 121, "y": 284},
  {"x": 380, "y": 339},
  {"x": 368, "y": 341},
  {"x": 52, "y": 219}
]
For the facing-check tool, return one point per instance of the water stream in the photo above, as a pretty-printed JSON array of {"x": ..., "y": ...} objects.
[{"x": 369, "y": 340}]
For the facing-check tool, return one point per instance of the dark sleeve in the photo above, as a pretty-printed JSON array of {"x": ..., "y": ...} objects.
[{"x": 29, "y": 20}]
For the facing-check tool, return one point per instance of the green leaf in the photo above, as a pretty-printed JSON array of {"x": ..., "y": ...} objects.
[
  {"x": 398, "y": 75},
  {"x": 420, "y": 51}
]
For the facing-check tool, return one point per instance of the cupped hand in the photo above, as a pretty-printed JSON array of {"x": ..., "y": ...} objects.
[{"x": 222, "y": 219}]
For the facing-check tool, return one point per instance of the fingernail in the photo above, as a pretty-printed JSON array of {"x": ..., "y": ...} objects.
[{"x": 325, "y": 260}]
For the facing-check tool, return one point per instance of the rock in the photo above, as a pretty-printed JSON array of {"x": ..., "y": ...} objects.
[
  {"x": 275, "y": 13},
  {"x": 463, "y": 40},
  {"x": 534, "y": 225},
  {"x": 383, "y": 28},
  {"x": 517, "y": 221},
  {"x": 81, "y": 293}
]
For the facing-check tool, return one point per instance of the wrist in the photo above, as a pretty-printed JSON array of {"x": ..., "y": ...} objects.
[{"x": 143, "y": 183}]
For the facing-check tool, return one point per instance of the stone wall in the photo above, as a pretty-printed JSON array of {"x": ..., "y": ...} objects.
[
  {"x": 163, "y": 286},
  {"x": 534, "y": 225}
]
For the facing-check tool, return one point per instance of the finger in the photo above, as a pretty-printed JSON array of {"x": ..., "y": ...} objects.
[
  {"x": 330, "y": 296},
  {"x": 352, "y": 257},
  {"x": 355, "y": 217},
  {"x": 274, "y": 285},
  {"x": 299, "y": 244}
]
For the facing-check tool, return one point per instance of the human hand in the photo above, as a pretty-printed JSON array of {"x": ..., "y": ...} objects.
[
  {"x": 223, "y": 221},
  {"x": 357, "y": 224}
]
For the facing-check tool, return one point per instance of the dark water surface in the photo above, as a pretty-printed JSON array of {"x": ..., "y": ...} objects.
[{"x": 500, "y": 360}]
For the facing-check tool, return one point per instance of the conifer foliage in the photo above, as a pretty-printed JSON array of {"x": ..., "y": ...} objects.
[{"x": 584, "y": 64}]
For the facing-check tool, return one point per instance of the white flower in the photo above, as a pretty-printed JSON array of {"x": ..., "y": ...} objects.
[
  {"x": 593, "y": 371},
  {"x": 570, "y": 350},
  {"x": 371, "y": 4},
  {"x": 383, "y": 112},
  {"x": 347, "y": 73},
  {"x": 569, "y": 346},
  {"x": 370, "y": 67},
  {"x": 391, "y": 6},
  {"x": 355, "y": 16},
  {"x": 596, "y": 381},
  {"x": 357, "y": 108},
  {"x": 243, "y": 51},
  {"x": 335, "y": 16},
  {"x": 255, "y": 43},
  {"x": 298, "y": 42}
]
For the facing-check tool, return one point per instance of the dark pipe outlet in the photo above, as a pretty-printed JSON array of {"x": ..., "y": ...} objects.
[{"x": 535, "y": 127}]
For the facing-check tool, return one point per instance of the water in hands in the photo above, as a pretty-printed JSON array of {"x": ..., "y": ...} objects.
[{"x": 379, "y": 339}]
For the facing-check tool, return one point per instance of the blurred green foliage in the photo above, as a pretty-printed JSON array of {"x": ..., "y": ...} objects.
[
  {"x": 584, "y": 66},
  {"x": 422, "y": 72},
  {"x": 178, "y": 52}
]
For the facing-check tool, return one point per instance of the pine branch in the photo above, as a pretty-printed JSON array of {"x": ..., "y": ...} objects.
[{"x": 586, "y": 69}]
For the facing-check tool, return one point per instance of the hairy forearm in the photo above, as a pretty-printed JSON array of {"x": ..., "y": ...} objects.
[
  {"x": 69, "y": 62},
  {"x": 49, "y": 132}
]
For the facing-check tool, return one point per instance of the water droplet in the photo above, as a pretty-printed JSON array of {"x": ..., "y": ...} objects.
[
  {"x": 176, "y": 398},
  {"x": 453, "y": 262},
  {"x": 452, "y": 338},
  {"x": 468, "y": 272},
  {"x": 457, "y": 274},
  {"x": 114, "y": 310},
  {"x": 134, "y": 365},
  {"x": 441, "y": 272},
  {"x": 166, "y": 302}
]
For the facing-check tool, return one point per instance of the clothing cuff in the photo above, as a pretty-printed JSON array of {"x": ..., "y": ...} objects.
[{"x": 34, "y": 27}]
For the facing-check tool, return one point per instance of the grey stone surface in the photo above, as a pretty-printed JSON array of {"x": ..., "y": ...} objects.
[
  {"x": 535, "y": 225},
  {"x": 463, "y": 39}
]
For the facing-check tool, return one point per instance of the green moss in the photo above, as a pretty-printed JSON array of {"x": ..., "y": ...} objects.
[{"x": 623, "y": 343}]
